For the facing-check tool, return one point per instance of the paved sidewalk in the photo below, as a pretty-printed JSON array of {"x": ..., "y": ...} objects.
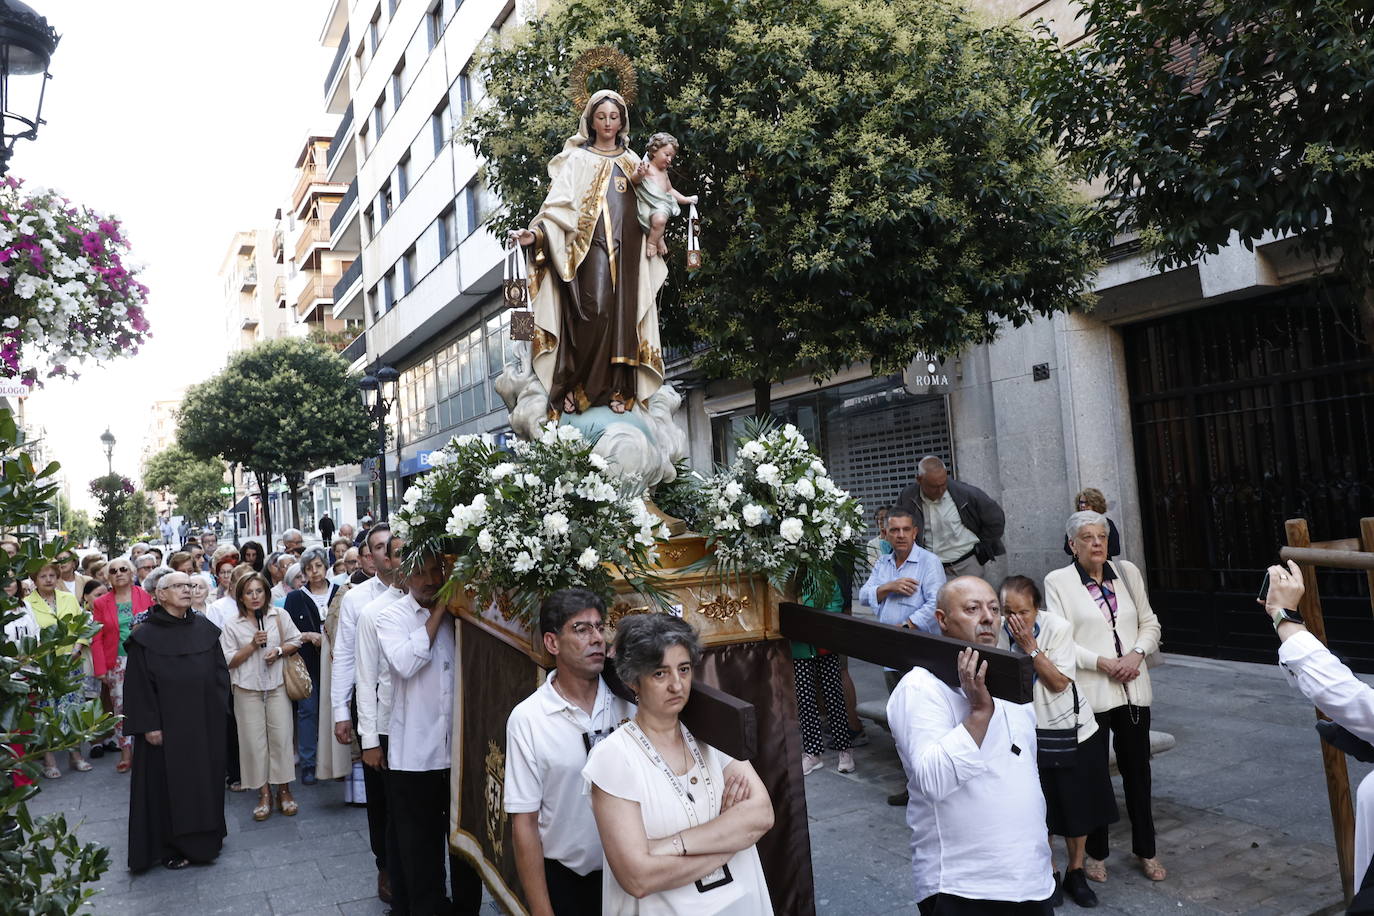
[{"x": 1240, "y": 809}]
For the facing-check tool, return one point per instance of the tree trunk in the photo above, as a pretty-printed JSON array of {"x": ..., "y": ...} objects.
[
  {"x": 263, "y": 477},
  {"x": 763, "y": 397},
  {"x": 293, "y": 486}
]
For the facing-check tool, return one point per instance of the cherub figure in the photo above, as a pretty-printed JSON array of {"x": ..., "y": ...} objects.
[{"x": 658, "y": 200}]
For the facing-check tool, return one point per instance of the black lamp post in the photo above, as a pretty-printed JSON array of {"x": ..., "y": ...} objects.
[
  {"x": 379, "y": 396},
  {"x": 26, "y": 46},
  {"x": 107, "y": 439}
]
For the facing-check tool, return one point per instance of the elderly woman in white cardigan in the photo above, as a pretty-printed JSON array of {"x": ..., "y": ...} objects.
[{"x": 1114, "y": 628}]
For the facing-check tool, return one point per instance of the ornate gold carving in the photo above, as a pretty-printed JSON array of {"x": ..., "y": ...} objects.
[
  {"x": 589, "y": 210},
  {"x": 650, "y": 356},
  {"x": 494, "y": 794},
  {"x": 621, "y": 610},
  {"x": 673, "y": 554},
  {"x": 723, "y": 607},
  {"x": 599, "y": 59},
  {"x": 543, "y": 341}
]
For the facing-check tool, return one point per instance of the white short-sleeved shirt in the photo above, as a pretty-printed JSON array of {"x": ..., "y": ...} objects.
[
  {"x": 619, "y": 766},
  {"x": 545, "y": 754},
  {"x": 1054, "y": 636}
]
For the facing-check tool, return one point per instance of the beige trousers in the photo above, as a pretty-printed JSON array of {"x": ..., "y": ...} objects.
[{"x": 265, "y": 729}]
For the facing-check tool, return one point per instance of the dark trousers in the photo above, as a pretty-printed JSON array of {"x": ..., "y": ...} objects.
[
  {"x": 950, "y": 905},
  {"x": 572, "y": 894},
  {"x": 418, "y": 813},
  {"x": 1131, "y": 741},
  {"x": 231, "y": 750},
  {"x": 375, "y": 786}
]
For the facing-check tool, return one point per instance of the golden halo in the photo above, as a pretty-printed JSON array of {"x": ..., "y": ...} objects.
[{"x": 599, "y": 59}]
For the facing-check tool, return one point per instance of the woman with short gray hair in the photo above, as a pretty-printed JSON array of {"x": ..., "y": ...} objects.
[
  {"x": 678, "y": 819},
  {"x": 1114, "y": 629}
]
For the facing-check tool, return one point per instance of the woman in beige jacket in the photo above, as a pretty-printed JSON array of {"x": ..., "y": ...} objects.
[
  {"x": 1114, "y": 628},
  {"x": 254, "y": 641}
]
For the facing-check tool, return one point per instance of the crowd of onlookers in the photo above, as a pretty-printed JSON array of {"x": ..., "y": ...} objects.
[{"x": 242, "y": 667}]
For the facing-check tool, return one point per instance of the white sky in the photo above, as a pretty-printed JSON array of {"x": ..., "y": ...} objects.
[{"x": 183, "y": 120}]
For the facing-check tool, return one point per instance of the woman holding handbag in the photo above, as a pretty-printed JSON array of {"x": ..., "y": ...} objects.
[
  {"x": 1114, "y": 629},
  {"x": 254, "y": 641},
  {"x": 1071, "y": 749}
]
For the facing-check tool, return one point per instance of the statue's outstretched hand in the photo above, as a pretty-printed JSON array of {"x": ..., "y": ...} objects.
[{"x": 524, "y": 236}]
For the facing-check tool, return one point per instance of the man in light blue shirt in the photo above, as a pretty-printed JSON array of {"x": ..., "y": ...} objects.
[{"x": 904, "y": 583}]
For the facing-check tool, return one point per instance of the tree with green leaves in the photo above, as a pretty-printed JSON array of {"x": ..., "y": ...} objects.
[
  {"x": 1209, "y": 123},
  {"x": 874, "y": 183},
  {"x": 115, "y": 494},
  {"x": 195, "y": 482},
  {"x": 44, "y": 868},
  {"x": 280, "y": 408}
]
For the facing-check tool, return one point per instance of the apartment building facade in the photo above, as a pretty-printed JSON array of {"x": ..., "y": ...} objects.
[{"x": 425, "y": 276}]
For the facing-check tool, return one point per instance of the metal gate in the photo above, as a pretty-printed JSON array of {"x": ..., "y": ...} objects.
[{"x": 1246, "y": 414}]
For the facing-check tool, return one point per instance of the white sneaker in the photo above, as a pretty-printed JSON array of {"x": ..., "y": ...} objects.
[
  {"x": 846, "y": 764},
  {"x": 811, "y": 763}
]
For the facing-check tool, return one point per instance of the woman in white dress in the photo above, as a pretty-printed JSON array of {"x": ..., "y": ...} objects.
[{"x": 678, "y": 818}]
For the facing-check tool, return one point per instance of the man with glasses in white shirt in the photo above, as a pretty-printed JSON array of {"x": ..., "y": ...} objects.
[
  {"x": 417, "y": 639},
  {"x": 548, "y": 737}
]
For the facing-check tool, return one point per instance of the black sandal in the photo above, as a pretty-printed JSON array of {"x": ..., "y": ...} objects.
[{"x": 175, "y": 863}]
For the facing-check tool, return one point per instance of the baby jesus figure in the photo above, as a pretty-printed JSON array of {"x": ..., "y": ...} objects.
[{"x": 657, "y": 199}]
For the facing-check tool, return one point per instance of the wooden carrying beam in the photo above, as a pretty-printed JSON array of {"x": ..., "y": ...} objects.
[
  {"x": 1009, "y": 676},
  {"x": 711, "y": 714}
]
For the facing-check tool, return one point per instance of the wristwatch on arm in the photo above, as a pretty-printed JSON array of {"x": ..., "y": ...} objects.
[{"x": 1282, "y": 614}]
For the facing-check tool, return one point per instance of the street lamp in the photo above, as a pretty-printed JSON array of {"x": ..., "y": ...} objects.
[
  {"x": 379, "y": 395},
  {"x": 106, "y": 438},
  {"x": 26, "y": 46}
]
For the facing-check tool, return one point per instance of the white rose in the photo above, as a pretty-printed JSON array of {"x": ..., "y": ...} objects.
[
  {"x": 733, "y": 490},
  {"x": 556, "y": 523},
  {"x": 753, "y": 515},
  {"x": 569, "y": 433},
  {"x": 768, "y": 473},
  {"x": 589, "y": 559},
  {"x": 846, "y": 533},
  {"x": 792, "y": 530},
  {"x": 817, "y": 466},
  {"x": 805, "y": 489},
  {"x": 791, "y": 432},
  {"x": 550, "y": 434},
  {"x": 752, "y": 450},
  {"x": 504, "y": 469},
  {"x": 523, "y": 562},
  {"x": 601, "y": 464},
  {"x": 532, "y": 480},
  {"x": 485, "y": 541},
  {"x": 825, "y": 485}
]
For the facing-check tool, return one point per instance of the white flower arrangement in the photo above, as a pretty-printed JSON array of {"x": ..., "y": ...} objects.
[
  {"x": 776, "y": 511},
  {"x": 587, "y": 525},
  {"x": 65, "y": 290}
]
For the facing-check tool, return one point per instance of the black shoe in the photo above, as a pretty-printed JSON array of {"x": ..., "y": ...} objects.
[
  {"x": 1076, "y": 885},
  {"x": 308, "y": 776},
  {"x": 1057, "y": 898},
  {"x": 96, "y": 752},
  {"x": 899, "y": 800},
  {"x": 175, "y": 863},
  {"x": 1344, "y": 741}
]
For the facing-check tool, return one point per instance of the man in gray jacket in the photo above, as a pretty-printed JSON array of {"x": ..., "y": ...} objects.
[{"x": 959, "y": 523}]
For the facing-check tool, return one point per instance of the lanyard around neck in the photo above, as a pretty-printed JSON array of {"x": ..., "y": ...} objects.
[{"x": 683, "y": 795}]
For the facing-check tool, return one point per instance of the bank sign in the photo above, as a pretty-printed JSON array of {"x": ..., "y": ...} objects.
[{"x": 417, "y": 464}]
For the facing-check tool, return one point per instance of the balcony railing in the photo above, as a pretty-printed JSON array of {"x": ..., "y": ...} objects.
[
  {"x": 342, "y": 136},
  {"x": 313, "y": 232},
  {"x": 279, "y": 289},
  {"x": 311, "y": 174},
  {"x": 349, "y": 199},
  {"x": 355, "y": 270},
  {"x": 277, "y": 246},
  {"x": 315, "y": 290},
  {"x": 248, "y": 280},
  {"x": 355, "y": 350},
  {"x": 339, "y": 56}
]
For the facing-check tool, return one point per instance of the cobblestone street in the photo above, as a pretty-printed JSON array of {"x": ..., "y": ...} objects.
[{"x": 1240, "y": 808}]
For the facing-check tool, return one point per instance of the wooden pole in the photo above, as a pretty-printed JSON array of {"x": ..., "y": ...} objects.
[
  {"x": 1367, "y": 545},
  {"x": 1333, "y": 761}
]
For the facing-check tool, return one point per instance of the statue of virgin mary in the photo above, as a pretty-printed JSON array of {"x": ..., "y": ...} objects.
[{"x": 594, "y": 290}]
